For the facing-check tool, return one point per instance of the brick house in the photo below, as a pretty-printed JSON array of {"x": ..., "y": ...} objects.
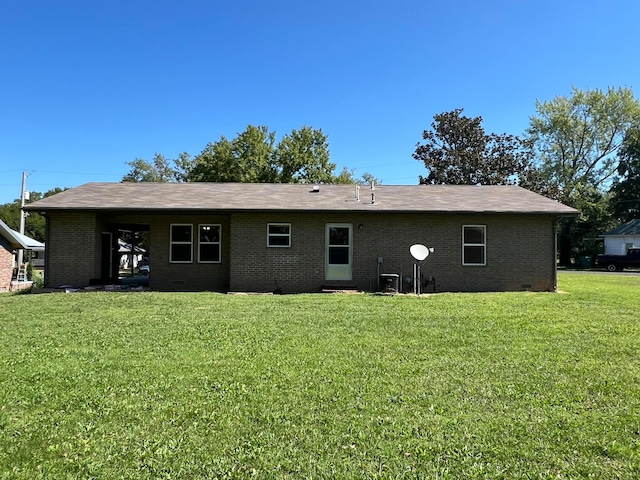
[
  {"x": 303, "y": 238},
  {"x": 10, "y": 242}
]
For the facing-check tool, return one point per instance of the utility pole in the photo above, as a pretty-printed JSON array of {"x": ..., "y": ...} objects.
[{"x": 23, "y": 197}]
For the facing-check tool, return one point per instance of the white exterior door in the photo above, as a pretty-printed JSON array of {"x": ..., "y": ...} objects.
[{"x": 338, "y": 251}]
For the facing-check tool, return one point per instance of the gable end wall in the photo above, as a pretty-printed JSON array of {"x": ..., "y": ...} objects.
[{"x": 72, "y": 255}]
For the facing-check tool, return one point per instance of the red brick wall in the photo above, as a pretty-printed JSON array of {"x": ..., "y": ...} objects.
[{"x": 6, "y": 269}]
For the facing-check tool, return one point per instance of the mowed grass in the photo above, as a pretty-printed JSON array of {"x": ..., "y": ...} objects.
[{"x": 158, "y": 385}]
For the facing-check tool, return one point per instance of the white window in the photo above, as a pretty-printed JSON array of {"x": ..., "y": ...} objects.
[
  {"x": 474, "y": 245},
  {"x": 279, "y": 234},
  {"x": 181, "y": 243},
  {"x": 209, "y": 243}
]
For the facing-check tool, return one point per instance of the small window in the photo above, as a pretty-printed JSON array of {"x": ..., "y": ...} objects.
[
  {"x": 209, "y": 243},
  {"x": 474, "y": 245},
  {"x": 279, "y": 234},
  {"x": 181, "y": 243}
]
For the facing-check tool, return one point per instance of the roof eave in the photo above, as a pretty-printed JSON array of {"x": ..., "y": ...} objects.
[{"x": 178, "y": 210}]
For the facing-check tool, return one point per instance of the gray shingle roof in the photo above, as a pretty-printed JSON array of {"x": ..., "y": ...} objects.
[
  {"x": 630, "y": 228},
  {"x": 151, "y": 197}
]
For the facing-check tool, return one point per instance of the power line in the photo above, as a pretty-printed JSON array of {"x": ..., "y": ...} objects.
[{"x": 72, "y": 173}]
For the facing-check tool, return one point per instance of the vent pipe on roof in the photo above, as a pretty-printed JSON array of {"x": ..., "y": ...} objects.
[
  {"x": 357, "y": 192},
  {"x": 373, "y": 193}
]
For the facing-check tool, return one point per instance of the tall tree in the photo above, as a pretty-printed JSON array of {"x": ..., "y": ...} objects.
[
  {"x": 625, "y": 192},
  {"x": 369, "y": 179},
  {"x": 247, "y": 158},
  {"x": 254, "y": 156},
  {"x": 303, "y": 157},
  {"x": 253, "y": 152},
  {"x": 214, "y": 164},
  {"x": 182, "y": 167},
  {"x": 347, "y": 176},
  {"x": 158, "y": 170},
  {"x": 457, "y": 150},
  {"x": 575, "y": 138},
  {"x": 35, "y": 223},
  {"x": 579, "y": 235}
]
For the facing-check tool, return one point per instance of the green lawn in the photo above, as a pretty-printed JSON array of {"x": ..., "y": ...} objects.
[{"x": 157, "y": 385}]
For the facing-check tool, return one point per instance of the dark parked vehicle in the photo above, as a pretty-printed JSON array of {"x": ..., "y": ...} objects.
[
  {"x": 143, "y": 266},
  {"x": 619, "y": 262}
]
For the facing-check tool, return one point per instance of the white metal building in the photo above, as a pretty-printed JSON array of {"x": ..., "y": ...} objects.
[{"x": 622, "y": 238}]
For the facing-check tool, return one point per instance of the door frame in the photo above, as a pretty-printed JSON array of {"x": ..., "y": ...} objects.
[
  {"x": 338, "y": 271},
  {"x": 107, "y": 268}
]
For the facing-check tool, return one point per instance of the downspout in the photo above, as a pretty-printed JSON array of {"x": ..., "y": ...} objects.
[
  {"x": 555, "y": 254},
  {"x": 47, "y": 236}
]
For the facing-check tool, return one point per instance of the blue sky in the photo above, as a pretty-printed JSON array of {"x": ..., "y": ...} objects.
[{"x": 87, "y": 86}]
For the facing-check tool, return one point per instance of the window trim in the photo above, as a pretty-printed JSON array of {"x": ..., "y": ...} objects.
[
  {"x": 172, "y": 243},
  {"x": 483, "y": 245},
  {"x": 219, "y": 242},
  {"x": 279, "y": 235}
]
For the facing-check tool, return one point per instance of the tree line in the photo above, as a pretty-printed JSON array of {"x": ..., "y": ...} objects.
[
  {"x": 253, "y": 156},
  {"x": 582, "y": 149},
  {"x": 35, "y": 223}
]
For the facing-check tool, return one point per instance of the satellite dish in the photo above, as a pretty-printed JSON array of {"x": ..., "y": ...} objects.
[{"x": 419, "y": 251}]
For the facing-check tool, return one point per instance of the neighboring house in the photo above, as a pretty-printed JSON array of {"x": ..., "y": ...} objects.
[
  {"x": 130, "y": 255},
  {"x": 10, "y": 242},
  {"x": 305, "y": 238},
  {"x": 622, "y": 238}
]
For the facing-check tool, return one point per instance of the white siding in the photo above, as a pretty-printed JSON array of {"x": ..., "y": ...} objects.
[{"x": 614, "y": 245}]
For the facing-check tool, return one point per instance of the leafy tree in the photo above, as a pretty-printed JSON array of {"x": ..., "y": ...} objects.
[
  {"x": 347, "y": 175},
  {"x": 458, "y": 151},
  {"x": 575, "y": 139},
  {"x": 625, "y": 192},
  {"x": 253, "y": 152},
  {"x": 595, "y": 218},
  {"x": 368, "y": 178},
  {"x": 49, "y": 193},
  {"x": 533, "y": 179},
  {"x": 214, "y": 164},
  {"x": 303, "y": 157},
  {"x": 247, "y": 158},
  {"x": 10, "y": 214},
  {"x": 183, "y": 165},
  {"x": 253, "y": 156},
  {"x": 34, "y": 223},
  {"x": 158, "y": 170}
]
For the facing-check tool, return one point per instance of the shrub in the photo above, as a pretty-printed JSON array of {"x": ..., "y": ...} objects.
[{"x": 30, "y": 271}]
